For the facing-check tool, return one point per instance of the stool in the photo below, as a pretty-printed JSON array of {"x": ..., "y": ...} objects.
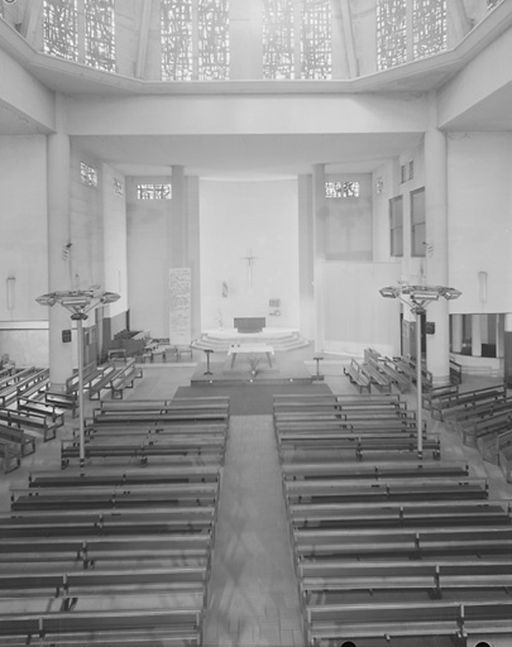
[
  {"x": 318, "y": 377},
  {"x": 208, "y": 352}
]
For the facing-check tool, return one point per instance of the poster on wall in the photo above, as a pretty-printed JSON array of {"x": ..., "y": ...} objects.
[{"x": 180, "y": 293}]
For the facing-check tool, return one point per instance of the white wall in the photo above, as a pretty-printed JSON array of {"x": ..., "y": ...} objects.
[
  {"x": 355, "y": 315},
  {"x": 115, "y": 240},
  {"x": 480, "y": 219},
  {"x": 23, "y": 226},
  {"x": 242, "y": 218},
  {"x": 148, "y": 268}
]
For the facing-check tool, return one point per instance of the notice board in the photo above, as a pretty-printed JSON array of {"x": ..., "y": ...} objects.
[{"x": 180, "y": 310}]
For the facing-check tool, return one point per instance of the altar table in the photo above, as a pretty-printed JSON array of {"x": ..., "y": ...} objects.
[{"x": 252, "y": 351}]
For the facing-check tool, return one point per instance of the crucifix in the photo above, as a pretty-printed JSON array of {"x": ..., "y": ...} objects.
[{"x": 250, "y": 265}]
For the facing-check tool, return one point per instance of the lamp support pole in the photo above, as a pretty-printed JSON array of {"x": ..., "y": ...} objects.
[
  {"x": 79, "y": 318},
  {"x": 419, "y": 384}
]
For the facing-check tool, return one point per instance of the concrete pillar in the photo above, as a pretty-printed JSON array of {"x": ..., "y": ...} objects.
[
  {"x": 306, "y": 257},
  {"x": 193, "y": 250},
  {"x": 438, "y": 344},
  {"x": 457, "y": 332},
  {"x": 177, "y": 239},
  {"x": 58, "y": 151},
  {"x": 320, "y": 212},
  {"x": 499, "y": 336},
  {"x": 476, "y": 335}
]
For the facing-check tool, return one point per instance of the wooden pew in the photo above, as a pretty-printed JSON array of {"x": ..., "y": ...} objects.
[
  {"x": 466, "y": 400},
  {"x": 27, "y": 419},
  {"x": 111, "y": 475},
  {"x": 23, "y": 383},
  {"x": 357, "y": 445},
  {"x": 48, "y": 409},
  {"x": 51, "y": 498},
  {"x": 412, "y": 514},
  {"x": 356, "y": 376},
  {"x": 377, "y": 472},
  {"x": 124, "y": 378},
  {"x": 430, "y": 397},
  {"x": 377, "y": 378},
  {"x": 180, "y": 627},
  {"x": 10, "y": 455},
  {"x": 144, "y": 451},
  {"x": 331, "y": 581},
  {"x": 327, "y": 624},
  {"x": 63, "y": 400},
  {"x": 25, "y": 442},
  {"x": 391, "y": 489}
]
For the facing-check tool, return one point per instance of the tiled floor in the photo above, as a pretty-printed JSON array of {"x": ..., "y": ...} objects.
[{"x": 253, "y": 599}]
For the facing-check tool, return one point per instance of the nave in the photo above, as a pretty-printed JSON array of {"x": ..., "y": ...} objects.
[{"x": 253, "y": 590}]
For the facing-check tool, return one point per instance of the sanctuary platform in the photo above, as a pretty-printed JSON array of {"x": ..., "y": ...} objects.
[
  {"x": 220, "y": 339},
  {"x": 251, "y": 370}
]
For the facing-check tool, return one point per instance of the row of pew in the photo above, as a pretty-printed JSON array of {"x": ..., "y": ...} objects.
[
  {"x": 482, "y": 417},
  {"x": 117, "y": 552},
  {"x": 388, "y": 548}
]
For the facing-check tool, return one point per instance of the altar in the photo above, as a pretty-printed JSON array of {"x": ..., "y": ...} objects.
[{"x": 253, "y": 352}]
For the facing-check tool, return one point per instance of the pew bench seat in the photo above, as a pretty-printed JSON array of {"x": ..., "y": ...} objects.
[
  {"x": 27, "y": 419},
  {"x": 10, "y": 456},
  {"x": 329, "y": 623},
  {"x": 18, "y": 437}
]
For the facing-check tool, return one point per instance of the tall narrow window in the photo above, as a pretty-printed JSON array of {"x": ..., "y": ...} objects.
[
  {"x": 418, "y": 230},
  {"x": 316, "y": 40},
  {"x": 278, "y": 39},
  {"x": 194, "y": 37},
  {"x": 60, "y": 28},
  {"x": 213, "y": 40},
  {"x": 391, "y": 33},
  {"x": 100, "y": 34},
  {"x": 396, "y": 226},
  {"x": 176, "y": 39},
  {"x": 429, "y": 30}
]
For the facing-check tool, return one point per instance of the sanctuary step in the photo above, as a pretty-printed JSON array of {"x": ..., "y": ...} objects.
[{"x": 281, "y": 339}]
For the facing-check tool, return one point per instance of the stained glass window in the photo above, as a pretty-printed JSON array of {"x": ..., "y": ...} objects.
[
  {"x": 429, "y": 31},
  {"x": 60, "y": 28},
  {"x": 88, "y": 175},
  {"x": 391, "y": 33},
  {"x": 213, "y": 39},
  {"x": 350, "y": 189},
  {"x": 316, "y": 40},
  {"x": 176, "y": 39},
  {"x": 418, "y": 232},
  {"x": 154, "y": 191},
  {"x": 278, "y": 39},
  {"x": 100, "y": 34}
]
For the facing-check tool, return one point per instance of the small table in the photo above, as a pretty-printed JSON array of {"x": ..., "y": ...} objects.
[{"x": 252, "y": 351}]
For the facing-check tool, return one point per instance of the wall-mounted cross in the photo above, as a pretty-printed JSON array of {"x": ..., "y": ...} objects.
[{"x": 250, "y": 258}]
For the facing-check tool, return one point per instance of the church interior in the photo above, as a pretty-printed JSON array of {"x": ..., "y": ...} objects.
[{"x": 255, "y": 324}]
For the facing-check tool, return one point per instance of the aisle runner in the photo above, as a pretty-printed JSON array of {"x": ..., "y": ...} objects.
[{"x": 251, "y": 399}]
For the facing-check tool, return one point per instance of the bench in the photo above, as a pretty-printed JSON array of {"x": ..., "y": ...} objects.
[
  {"x": 329, "y": 624},
  {"x": 51, "y": 498},
  {"x": 466, "y": 400},
  {"x": 392, "y": 489},
  {"x": 332, "y": 469},
  {"x": 64, "y": 400},
  {"x": 16, "y": 436},
  {"x": 327, "y": 580},
  {"x": 103, "y": 627},
  {"x": 10, "y": 455},
  {"x": 124, "y": 379},
  {"x": 23, "y": 383},
  {"x": 186, "y": 414},
  {"x": 358, "y": 445},
  {"x": 438, "y": 393},
  {"x": 48, "y": 409},
  {"x": 413, "y": 514},
  {"x": 24, "y": 419},
  {"x": 357, "y": 377},
  {"x": 100, "y": 381}
]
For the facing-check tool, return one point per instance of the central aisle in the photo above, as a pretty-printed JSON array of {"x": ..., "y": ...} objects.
[{"x": 253, "y": 598}]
